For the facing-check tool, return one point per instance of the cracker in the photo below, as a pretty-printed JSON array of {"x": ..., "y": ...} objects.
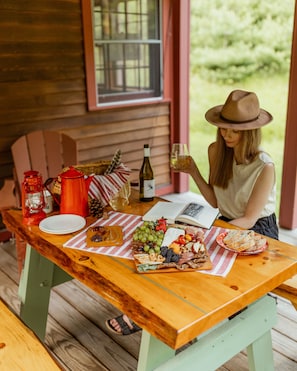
[{"x": 243, "y": 240}]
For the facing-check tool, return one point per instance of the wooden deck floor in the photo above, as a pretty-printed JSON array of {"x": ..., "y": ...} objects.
[{"x": 77, "y": 337}]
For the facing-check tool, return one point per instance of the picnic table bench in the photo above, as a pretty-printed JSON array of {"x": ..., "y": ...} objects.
[{"x": 20, "y": 348}]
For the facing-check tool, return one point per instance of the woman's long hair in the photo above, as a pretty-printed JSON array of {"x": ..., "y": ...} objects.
[{"x": 222, "y": 168}]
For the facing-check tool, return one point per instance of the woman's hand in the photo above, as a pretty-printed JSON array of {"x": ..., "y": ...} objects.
[
  {"x": 205, "y": 188},
  {"x": 188, "y": 166}
]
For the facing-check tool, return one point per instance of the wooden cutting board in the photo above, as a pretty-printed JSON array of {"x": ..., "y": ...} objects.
[{"x": 156, "y": 268}]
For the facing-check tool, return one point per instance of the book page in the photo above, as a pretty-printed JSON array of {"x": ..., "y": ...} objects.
[
  {"x": 193, "y": 213},
  {"x": 199, "y": 215},
  {"x": 192, "y": 210},
  {"x": 167, "y": 210}
]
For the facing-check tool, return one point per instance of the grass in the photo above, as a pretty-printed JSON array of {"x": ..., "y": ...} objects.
[{"x": 272, "y": 93}]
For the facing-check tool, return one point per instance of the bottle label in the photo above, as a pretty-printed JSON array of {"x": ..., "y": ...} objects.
[{"x": 149, "y": 188}]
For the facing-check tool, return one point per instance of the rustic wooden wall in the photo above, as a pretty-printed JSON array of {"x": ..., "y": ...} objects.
[{"x": 42, "y": 86}]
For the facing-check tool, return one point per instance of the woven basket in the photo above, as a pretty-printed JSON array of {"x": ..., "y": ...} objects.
[{"x": 97, "y": 168}]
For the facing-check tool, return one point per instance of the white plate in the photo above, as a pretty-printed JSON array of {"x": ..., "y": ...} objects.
[
  {"x": 62, "y": 224},
  {"x": 220, "y": 241}
]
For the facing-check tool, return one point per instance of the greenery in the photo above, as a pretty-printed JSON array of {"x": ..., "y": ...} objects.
[
  {"x": 253, "y": 54},
  {"x": 232, "y": 40}
]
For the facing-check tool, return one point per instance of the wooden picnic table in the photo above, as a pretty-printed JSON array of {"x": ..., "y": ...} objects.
[
  {"x": 20, "y": 348},
  {"x": 172, "y": 308}
]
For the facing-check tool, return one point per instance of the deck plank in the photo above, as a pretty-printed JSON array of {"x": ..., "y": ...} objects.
[
  {"x": 98, "y": 311},
  {"x": 87, "y": 333}
]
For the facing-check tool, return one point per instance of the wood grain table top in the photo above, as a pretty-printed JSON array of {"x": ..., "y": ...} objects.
[{"x": 174, "y": 307}]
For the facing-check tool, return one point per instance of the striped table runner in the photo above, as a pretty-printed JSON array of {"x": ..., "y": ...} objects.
[{"x": 221, "y": 258}]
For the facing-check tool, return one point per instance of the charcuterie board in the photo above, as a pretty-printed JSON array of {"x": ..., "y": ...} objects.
[{"x": 182, "y": 249}]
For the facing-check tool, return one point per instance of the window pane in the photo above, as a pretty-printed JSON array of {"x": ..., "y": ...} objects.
[{"x": 127, "y": 50}]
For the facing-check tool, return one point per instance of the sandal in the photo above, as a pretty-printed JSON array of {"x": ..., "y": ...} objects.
[{"x": 126, "y": 325}]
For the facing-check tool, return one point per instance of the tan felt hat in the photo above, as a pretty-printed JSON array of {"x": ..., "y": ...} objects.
[{"x": 241, "y": 111}]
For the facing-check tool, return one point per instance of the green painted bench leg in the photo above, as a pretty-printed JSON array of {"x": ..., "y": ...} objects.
[
  {"x": 38, "y": 277},
  {"x": 250, "y": 329}
]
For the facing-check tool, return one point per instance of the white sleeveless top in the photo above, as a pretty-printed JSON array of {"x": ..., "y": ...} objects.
[{"x": 232, "y": 201}]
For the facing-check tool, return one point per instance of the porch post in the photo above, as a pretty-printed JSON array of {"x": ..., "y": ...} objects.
[
  {"x": 181, "y": 67},
  {"x": 288, "y": 199}
]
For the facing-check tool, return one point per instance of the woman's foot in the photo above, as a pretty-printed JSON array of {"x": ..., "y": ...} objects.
[{"x": 122, "y": 325}]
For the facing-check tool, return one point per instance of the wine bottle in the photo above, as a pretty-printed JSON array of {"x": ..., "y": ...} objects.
[{"x": 146, "y": 178}]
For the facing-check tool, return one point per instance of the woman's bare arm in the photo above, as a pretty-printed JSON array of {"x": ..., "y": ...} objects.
[{"x": 258, "y": 198}]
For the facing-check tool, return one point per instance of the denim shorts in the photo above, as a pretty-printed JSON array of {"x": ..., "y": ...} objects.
[{"x": 266, "y": 226}]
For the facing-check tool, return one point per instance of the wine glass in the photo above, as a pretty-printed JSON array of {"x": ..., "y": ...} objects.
[
  {"x": 121, "y": 199},
  {"x": 180, "y": 158}
]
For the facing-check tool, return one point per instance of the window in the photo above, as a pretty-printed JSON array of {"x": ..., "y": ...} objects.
[{"x": 127, "y": 50}]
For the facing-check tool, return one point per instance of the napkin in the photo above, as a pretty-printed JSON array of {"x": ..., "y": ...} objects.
[{"x": 104, "y": 187}]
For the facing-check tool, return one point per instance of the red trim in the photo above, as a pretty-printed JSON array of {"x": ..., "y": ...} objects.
[
  {"x": 180, "y": 90},
  {"x": 167, "y": 42},
  {"x": 165, "y": 190},
  {"x": 89, "y": 54},
  {"x": 288, "y": 204}
]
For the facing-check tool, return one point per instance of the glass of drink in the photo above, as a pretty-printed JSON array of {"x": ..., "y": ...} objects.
[
  {"x": 121, "y": 199},
  {"x": 180, "y": 158}
]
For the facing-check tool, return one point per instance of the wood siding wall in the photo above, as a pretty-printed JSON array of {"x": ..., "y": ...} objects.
[{"x": 42, "y": 86}]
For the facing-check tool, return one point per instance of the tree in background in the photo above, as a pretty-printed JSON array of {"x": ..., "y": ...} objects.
[
  {"x": 232, "y": 40},
  {"x": 239, "y": 44}
]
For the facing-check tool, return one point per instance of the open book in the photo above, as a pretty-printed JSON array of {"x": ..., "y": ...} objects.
[{"x": 187, "y": 213}]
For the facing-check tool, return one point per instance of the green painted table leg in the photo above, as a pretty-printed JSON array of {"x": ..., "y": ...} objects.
[
  {"x": 151, "y": 349},
  {"x": 249, "y": 329},
  {"x": 38, "y": 277},
  {"x": 260, "y": 354}
]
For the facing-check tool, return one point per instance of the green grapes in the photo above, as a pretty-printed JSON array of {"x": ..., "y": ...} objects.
[{"x": 150, "y": 239}]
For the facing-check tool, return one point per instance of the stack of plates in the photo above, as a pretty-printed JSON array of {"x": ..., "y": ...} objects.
[{"x": 62, "y": 224}]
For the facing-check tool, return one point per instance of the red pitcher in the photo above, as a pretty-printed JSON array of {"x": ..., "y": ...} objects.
[{"x": 74, "y": 193}]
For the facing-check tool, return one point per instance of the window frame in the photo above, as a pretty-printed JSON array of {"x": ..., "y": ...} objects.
[{"x": 93, "y": 100}]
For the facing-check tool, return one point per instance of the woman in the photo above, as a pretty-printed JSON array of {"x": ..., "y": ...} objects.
[{"x": 241, "y": 176}]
